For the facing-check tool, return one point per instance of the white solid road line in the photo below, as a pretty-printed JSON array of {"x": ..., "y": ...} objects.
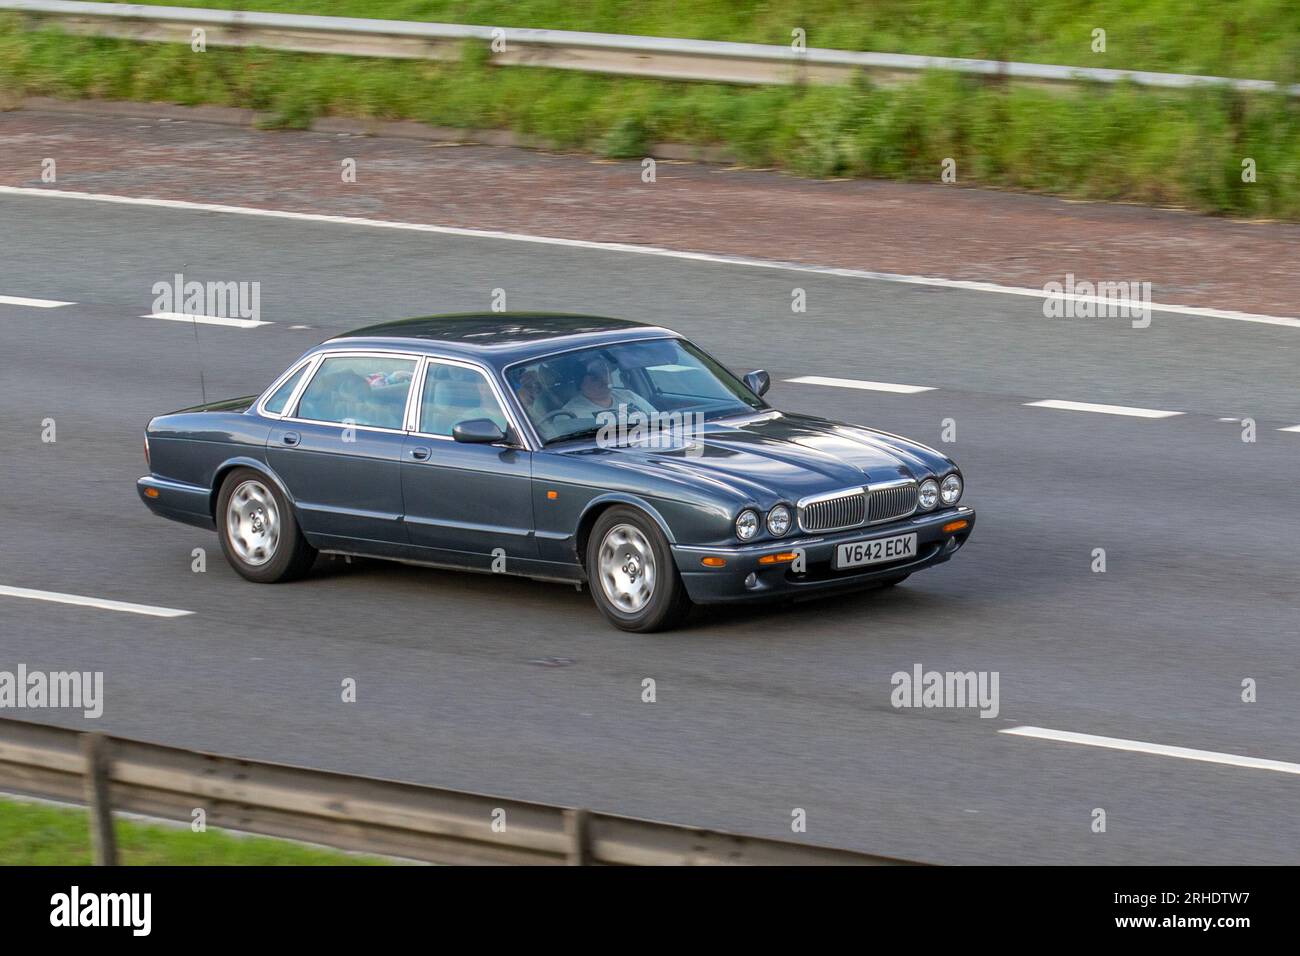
[
  {"x": 1102, "y": 409},
  {"x": 206, "y": 319},
  {"x": 960, "y": 284},
  {"x": 84, "y": 601},
  {"x": 1158, "y": 750},
  {"x": 32, "y": 303},
  {"x": 857, "y": 383}
]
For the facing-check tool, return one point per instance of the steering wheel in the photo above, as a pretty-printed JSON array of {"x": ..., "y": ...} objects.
[{"x": 551, "y": 418}]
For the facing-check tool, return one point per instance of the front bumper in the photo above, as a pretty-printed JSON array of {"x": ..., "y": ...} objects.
[{"x": 732, "y": 582}]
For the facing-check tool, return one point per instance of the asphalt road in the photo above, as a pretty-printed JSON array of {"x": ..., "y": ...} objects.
[{"x": 759, "y": 711}]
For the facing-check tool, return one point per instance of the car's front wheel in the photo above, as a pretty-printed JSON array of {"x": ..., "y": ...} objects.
[
  {"x": 633, "y": 577},
  {"x": 259, "y": 534}
]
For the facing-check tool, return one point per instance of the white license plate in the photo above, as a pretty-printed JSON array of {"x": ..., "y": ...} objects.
[{"x": 857, "y": 553}]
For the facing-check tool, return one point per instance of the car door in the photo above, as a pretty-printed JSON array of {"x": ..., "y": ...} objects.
[
  {"x": 464, "y": 501},
  {"x": 339, "y": 450}
]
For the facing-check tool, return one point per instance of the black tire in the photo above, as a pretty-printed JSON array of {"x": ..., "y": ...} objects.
[
  {"x": 667, "y": 603},
  {"x": 289, "y": 557}
]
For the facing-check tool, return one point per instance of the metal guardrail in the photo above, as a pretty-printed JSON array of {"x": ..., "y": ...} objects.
[
  {"x": 662, "y": 57},
  {"x": 357, "y": 813}
]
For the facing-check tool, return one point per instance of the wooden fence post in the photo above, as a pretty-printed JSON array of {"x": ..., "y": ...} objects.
[
  {"x": 95, "y": 748},
  {"x": 576, "y": 828}
]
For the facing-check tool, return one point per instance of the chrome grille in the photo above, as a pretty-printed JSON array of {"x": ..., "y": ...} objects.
[
  {"x": 847, "y": 510},
  {"x": 893, "y": 501}
]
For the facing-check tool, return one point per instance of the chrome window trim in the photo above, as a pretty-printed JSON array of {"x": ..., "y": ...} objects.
[
  {"x": 417, "y": 389},
  {"x": 260, "y": 405},
  {"x": 360, "y": 428},
  {"x": 355, "y": 353},
  {"x": 413, "y": 421}
]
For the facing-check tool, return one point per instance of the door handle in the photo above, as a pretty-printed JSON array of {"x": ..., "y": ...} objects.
[
  {"x": 420, "y": 453},
  {"x": 291, "y": 438}
]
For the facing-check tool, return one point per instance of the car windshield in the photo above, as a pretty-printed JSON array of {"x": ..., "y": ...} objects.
[{"x": 575, "y": 394}]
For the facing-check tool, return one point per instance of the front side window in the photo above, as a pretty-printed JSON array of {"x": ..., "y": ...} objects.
[
  {"x": 454, "y": 394},
  {"x": 280, "y": 397},
  {"x": 359, "y": 390}
]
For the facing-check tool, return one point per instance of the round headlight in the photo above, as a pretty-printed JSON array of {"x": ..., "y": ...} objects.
[
  {"x": 747, "y": 525},
  {"x": 950, "y": 490},
  {"x": 928, "y": 494},
  {"x": 778, "y": 520}
]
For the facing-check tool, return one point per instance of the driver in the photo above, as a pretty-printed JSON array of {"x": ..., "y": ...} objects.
[
  {"x": 595, "y": 395},
  {"x": 529, "y": 392}
]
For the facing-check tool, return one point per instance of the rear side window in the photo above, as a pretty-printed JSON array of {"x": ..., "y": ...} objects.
[
  {"x": 280, "y": 397},
  {"x": 359, "y": 390}
]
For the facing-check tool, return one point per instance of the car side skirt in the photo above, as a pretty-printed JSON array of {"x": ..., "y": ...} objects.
[{"x": 548, "y": 571}]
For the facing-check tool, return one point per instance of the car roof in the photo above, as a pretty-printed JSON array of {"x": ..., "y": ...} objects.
[{"x": 497, "y": 338}]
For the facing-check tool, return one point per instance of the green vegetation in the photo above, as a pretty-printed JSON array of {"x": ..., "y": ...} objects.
[
  {"x": 1116, "y": 143},
  {"x": 1248, "y": 38},
  {"x": 42, "y": 835}
]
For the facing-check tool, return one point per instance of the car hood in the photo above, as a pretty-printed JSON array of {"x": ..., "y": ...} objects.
[{"x": 775, "y": 456}]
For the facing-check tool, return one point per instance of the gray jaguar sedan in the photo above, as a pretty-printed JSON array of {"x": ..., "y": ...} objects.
[{"x": 561, "y": 447}]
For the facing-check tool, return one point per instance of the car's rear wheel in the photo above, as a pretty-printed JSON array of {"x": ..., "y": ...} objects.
[
  {"x": 258, "y": 531},
  {"x": 633, "y": 577}
]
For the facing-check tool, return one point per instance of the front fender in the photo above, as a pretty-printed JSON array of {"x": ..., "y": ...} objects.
[{"x": 600, "y": 502}]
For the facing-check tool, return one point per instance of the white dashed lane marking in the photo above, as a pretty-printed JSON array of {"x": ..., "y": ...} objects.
[
  {"x": 621, "y": 247},
  {"x": 1292, "y": 428},
  {"x": 206, "y": 319},
  {"x": 1056, "y": 403},
  {"x": 857, "y": 383},
  {"x": 1158, "y": 750},
  {"x": 1102, "y": 409},
  {"x": 83, "y": 601},
  {"x": 32, "y": 303}
]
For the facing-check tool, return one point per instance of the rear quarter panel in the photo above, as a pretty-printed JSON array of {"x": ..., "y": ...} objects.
[{"x": 190, "y": 447}]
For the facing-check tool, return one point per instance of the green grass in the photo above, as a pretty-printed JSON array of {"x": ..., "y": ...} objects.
[
  {"x": 1248, "y": 38},
  {"x": 1117, "y": 143},
  {"x": 43, "y": 835}
]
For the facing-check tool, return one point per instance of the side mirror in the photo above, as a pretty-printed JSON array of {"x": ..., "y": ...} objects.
[
  {"x": 478, "y": 431},
  {"x": 759, "y": 382}
]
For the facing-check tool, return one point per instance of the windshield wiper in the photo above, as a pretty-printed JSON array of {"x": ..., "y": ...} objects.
[{"x": 584, "y": 433}]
